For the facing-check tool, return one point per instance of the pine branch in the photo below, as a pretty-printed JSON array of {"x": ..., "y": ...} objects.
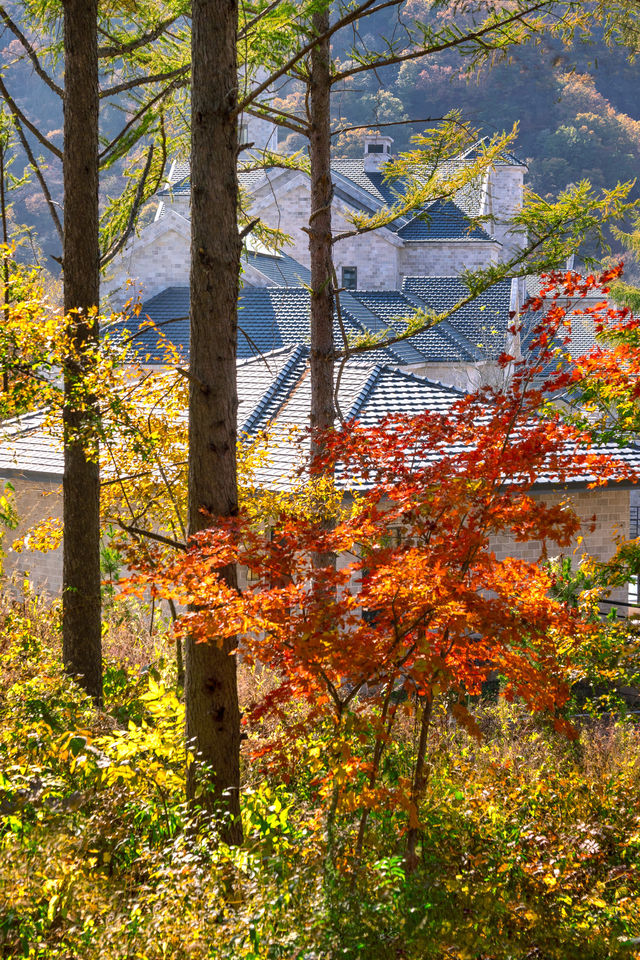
[
  {"x": 461, "y": 38},
  {"x": 174, "y": 85},
  {"x": 41, "y": 178},
  {"x": 30, "y": 51},
  {"x": 121, "y": 49},
  {"x": 138, "y": 200},
  {"x": 140, "y": 81},
  {"x": 25, "y": 122}
]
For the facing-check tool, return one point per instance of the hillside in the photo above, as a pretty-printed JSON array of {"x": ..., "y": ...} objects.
[{"x": 576, "y": 108}]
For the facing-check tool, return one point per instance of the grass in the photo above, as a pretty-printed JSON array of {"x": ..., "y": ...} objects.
[{"x": 530, "y": 848}]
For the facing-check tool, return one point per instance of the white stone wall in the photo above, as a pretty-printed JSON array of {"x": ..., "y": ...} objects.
[
  {"x": 35, "y": 500},
  {"x": 446, "y": 258},
  {"x": 605, "y": 509},
  {"x": 152, "y": 264},
  {"x": 159, "y": 257},
  {"x": 505, "y": 194},
  {"x": 374, "y": 255}
]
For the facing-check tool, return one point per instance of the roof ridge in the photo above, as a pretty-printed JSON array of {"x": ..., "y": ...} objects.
[
  {"x": 423, "y": 380},
  {"x": 404, "y": 350},
  {"x": 297, "y": 353},
  {"x": 457, "y": 339},
  {"x": 365, "y": 390}
]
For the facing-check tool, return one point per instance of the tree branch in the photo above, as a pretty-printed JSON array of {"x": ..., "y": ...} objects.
[
  {"x": 140, "y": 81},
  {"x": 138, "y": 532},
  {"x": 30, "y": 51},
  {"x": 120, "y": 49},
  {"x": 308, "y": 47},
  {"x": 259, "y": 16},
  {"x": 174, "y": 85},
  {"x": 463, "y": 38},
  {"x": 17, "y": 112},
  {"x": 138, "y": 200},
  {"x": 41, "y": 178}
]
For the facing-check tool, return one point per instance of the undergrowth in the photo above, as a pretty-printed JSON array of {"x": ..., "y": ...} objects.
[{"x": 530, "y": 847}]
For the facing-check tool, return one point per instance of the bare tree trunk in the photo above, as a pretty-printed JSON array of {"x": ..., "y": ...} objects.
[
  {"x": 81, "y": 612},
  {"x": 419, "y": 782},
  {"x": 320, "y": 247},
  {"x": 211, "y": 695},
  {"x": 5, "y": 259}
]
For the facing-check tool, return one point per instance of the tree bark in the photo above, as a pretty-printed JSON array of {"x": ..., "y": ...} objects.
[
  {"x": 320, "y": 247},
  {"x": 419, "y": 783},
  {"x": 81, "y": 610},
  {"x": 211, "y": 696}
]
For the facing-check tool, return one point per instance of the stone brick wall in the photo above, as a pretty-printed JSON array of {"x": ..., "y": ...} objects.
[
  {"x": 153, "y": 263},
  {"x": 505, "y": 191},
  {"x": 374, "y": 255},
  {"x": 35, "y": 500},
  {"x": 606, "y": 507},
  {"x": 446, "y": 259}
]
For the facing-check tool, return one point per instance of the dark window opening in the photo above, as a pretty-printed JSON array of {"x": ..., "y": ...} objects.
[
  {"x": 350, "y": 278},
  {"x": 375, "y": 148}
]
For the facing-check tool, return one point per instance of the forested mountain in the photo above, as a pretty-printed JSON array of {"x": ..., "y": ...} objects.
[{"x": 576, "y": 107}]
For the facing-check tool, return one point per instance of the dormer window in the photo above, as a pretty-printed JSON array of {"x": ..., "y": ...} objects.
[{"x": 376, "y": 148}]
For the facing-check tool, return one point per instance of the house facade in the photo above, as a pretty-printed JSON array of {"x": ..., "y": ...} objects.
[
  {"x": 443, "y": 239},
  {"x": 274, "y": 394}
]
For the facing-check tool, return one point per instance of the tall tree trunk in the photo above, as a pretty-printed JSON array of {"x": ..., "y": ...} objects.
[
  {"x": 211, "y": 695},
  {"x": 320, "y": 247},
  {"x": 321, "y": 255},
  {"x": 81, "y": 614}
]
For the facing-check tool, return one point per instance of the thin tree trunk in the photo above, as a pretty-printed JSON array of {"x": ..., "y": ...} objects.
[
  {"x": 419, "y": 782},
  {"x": 320, "y": 247},
  {"x": 81, "y": 613},
  {"x": 321, "y": 256},
  {"x": 5, "y": 259},
  {"x": 211, "y": 695}
]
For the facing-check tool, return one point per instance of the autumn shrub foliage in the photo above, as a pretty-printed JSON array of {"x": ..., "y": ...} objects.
[
  {"x": 407, "y": 594},
  {"x": 533, "y": 839}
]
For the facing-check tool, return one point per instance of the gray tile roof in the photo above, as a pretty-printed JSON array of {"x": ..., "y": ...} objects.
[
  {"x": 447, "y": 220},
  {"x": 273, "y": 317},
  {"x": 483, "y": 323},
  {"x": 279, "y": 268},
  {"x": 441, "y": 221},
  {"x": 435, "y": 345},
  {"x": 275, "y": 392},
  {"x": 269, "y": 318},
  {"x": 28, "y": 450}
]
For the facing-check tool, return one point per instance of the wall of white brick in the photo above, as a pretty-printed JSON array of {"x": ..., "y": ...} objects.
[
  {"x": 446, "y": 258},
  {"x": 35, "y": 500},
  {"x": 605, "y": 509},
  {"x": 151, "y": 266},
  {"x": 505, "y": 194},
  {"x": 160, "y": 256}
]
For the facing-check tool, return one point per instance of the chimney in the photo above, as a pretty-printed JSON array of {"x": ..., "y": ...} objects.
[{"x": 377, "y": 152}]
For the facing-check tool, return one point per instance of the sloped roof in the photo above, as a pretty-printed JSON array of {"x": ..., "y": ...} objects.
[
  {"x": 279, "y": 267},
  {"x": 269, "y": 318},
  {"x": 442, "y": 221},
  {"x": 28, "y": 450},
  {"x": 275, "y": 391},
  {"x": 484, "y": 322},
  {"x": 433, "y": 344},
  {"x": 447, "y": 219}
]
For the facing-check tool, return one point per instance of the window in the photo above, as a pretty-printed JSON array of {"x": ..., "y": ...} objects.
[
  {"x": 350, "y": 278},
  {"x": 375, "y": 148}
]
